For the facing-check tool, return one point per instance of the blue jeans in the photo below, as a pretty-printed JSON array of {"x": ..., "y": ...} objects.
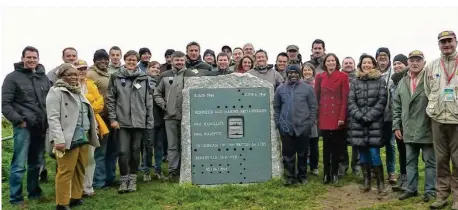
[
  {"x": 147, "y": 151},
  {"x": 105, "y": 160},
  {"x": 100, "y": 175},
  {"x": 412, "y": 152},
  {"x": 370, "y": 155},
  {"x": 159, "y": 136},
  {"x": 29, "y": 145},
  {"x": 390, "y": 147}
]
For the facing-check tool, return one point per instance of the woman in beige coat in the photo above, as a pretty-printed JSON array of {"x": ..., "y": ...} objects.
[{"x": 72, "y": 128}]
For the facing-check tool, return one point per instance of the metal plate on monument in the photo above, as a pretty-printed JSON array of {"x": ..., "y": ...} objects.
[{"x": 230, "y": 135}]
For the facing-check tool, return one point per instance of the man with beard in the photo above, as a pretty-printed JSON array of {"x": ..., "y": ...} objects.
[
  {"x": 168, "y": 97},
  {"x": 237, "y": 55},
  {"x": 383, "y": 57},
  {"x": 293, "y": 54},
  {"x": 318, "y": 54},
  {"x": 294, "y": 102},
  {"x": 105, "y": 156},
  {"x": 348, "y": 67},
  {"x": 24, "y": 104},
  {"x": 210, "y": 58},
  {"x": 281, "y": 64},
  {"x": 441, "y": 88},
  {"x": 264, "y": 71},
  {"x": 69, "y": 55},
  {"x": 194, "y": 61},
  {"x": 145, "y": 56},
  {"x": 115, "y": 59},
  {"x": 168, "y": 60}
]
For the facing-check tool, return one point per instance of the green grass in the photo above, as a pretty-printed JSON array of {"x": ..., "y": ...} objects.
[{"x": 161, "y": 195}]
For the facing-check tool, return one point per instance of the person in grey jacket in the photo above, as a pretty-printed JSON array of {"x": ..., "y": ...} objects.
[
  {"x": 168, "y": 97},
  {"x": 296, "y": 108},
  {"x": 130, "y": 109}
]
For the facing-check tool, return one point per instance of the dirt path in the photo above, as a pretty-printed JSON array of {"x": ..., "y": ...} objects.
[{"x": 349, "y": 197}]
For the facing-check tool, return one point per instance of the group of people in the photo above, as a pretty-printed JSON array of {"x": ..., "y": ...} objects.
[{"x": 90, "y": 118}]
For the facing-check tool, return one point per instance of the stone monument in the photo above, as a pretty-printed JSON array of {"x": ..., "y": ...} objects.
[{"x": 228, "y": 131}]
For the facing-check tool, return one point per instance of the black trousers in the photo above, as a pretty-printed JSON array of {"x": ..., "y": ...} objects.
[
  {"x": 130, "y": 140},
  {"x": 333, "y": 147},
  {"x": 402, "y": 156},
  {"x": 292, "y": 145},
  {"x": 314, "y": 153}
]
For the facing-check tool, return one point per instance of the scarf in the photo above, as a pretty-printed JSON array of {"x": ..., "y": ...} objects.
[
  {"x": 103, "y": 73},
  {"x": 74, "y": 89},
  {"x": 129, "y": 73},
  {"x": 309, "y": 80}
]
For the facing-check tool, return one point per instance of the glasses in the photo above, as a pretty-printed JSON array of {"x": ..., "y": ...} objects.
[{"x": 82, "y": 69}]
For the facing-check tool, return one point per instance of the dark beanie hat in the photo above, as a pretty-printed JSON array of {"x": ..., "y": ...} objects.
[
  {"x": 383, "y": 49},
  {"x": 211, "y": 52},
  {"x": 226, "y": 47},
  {"x": 400, "y": 57},
  {"x": 169, "y": 52},
  {"x": 143, "y": 51},
  {"x": 294, "y": 67},
  {"x": 100, "y": 55}
]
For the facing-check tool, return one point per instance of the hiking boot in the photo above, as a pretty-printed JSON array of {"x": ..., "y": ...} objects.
[
  {"x": 315, "y": 172},
  {"x": 455, "y": 205},
  {"x": 288, "y": 182},
  {"x": 367, "y": 178},
  {"x": 392, "y": 179},
  {"x": 146, "y": 177},
  {"x": 438, "y": 204},
  {"x": 326, "y": 179},
  {"x": 132, "y": 187},
  {"x": 124, "y": 181},
  {"x": 59, "y": 207},
  {"x": 428, "y": 197},
  {"x": 75, "y": 202},
  {"x": 380, "y": 181},
  {"x": 400, "y": 186},
  {"x": 407, "y": 195}
]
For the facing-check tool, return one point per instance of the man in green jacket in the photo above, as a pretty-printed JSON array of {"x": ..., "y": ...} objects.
[{"x": 412, "y": 125}]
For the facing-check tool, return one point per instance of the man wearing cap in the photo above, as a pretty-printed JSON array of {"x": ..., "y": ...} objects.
[
  {"x": 115, "y": 59},
  {"x": 412, "y": 125},
  {"x": 168, "y": 60},
  {"x": 293, "y": 52},
  {"x": 383, "y": 57},
  {"x": 194, "y": 61},
  {"x": 69, "y": 55},
  {"x": 294, "y": 103},
  {"x": 145, "y": 56},
  {"x": 228, "y": 50},
  {"x": 441, "y": 88}
]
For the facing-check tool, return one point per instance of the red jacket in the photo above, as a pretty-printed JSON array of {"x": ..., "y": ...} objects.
[{"x": 332, "y": 95}]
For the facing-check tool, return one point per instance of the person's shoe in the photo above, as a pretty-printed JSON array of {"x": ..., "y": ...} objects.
[
  {"x": 146, "y": 177},
  {"x": 341, "y": 172},
  {"x": 124, "y": 181},
  {"x": 438, "y": 204},
  {"x": 326, "y": 179},
  {"x": 20, "y": 205},
  {"x": 357, "y": 170},
  {"x": 288, "y": 182},
  {"x": 75, "y": 202},
  {"x": 88, "y": 195},
  {"x": 380, "y": 181},
  {"x": 59, "y": 207},
  {"x": 132, "y": 186},
  {"x": 315, "y": 172},
  {"x": 407, "y": 195},
  {"x": 44, "y": 176},
  {"x": 392, "y": 179},
  {"x": 455, "y": 205},
  {"x": 367, "y": 178},
  {"x": 303, "y": 181},
  {"x": 335, "y": 179},
  {"x": 401, "y": 182},
  {"x": 428, "y": 197},
  {"x": 159, "y": 175},
  {"x": 172, "y": 178}
]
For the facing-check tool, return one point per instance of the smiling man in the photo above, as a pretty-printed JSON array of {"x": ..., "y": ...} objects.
[
  {"x": 24, "y": 104},
  {"x": 69, "y": 55},
  {"x": 115, "y": 59},
  {"x": 318, "y": 54},
  {"x": 441, "y": 88}
]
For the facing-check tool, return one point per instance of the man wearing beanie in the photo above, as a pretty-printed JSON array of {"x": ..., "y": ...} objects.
[
  {"x": 383, "y": 57},
  {"x": 145, "y": 56},
  {"x": 100, "y": 75},
  {"x": 168, "y": 60},
  {"x": 210, "y": 58},
  {"x": 399, "y": 62},
  {"x": 294, "y": 102},
  {"x": 194, "y": 61}
]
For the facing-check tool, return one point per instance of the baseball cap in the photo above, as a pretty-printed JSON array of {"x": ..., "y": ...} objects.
[
  {"x": 446, "y": 35},
  {"x": 292, "y": 47},
  {"x": 416, "y": 53},
  {"x": 80, "y": 63}
]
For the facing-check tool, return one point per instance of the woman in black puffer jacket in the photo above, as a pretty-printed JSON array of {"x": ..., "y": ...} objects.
[{"x": 366, "y": 105}]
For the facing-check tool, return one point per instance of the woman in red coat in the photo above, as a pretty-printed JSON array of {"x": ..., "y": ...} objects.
[{"x": 332, "y": 89}]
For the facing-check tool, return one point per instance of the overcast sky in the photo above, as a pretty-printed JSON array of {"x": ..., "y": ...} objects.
[{"x": 346, "y": 31}]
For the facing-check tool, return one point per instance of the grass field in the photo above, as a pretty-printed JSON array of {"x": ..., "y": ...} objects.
[{"x": 271, "y": 195}]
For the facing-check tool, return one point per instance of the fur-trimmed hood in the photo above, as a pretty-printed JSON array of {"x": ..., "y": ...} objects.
[{"x": 372, "y": 75}]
